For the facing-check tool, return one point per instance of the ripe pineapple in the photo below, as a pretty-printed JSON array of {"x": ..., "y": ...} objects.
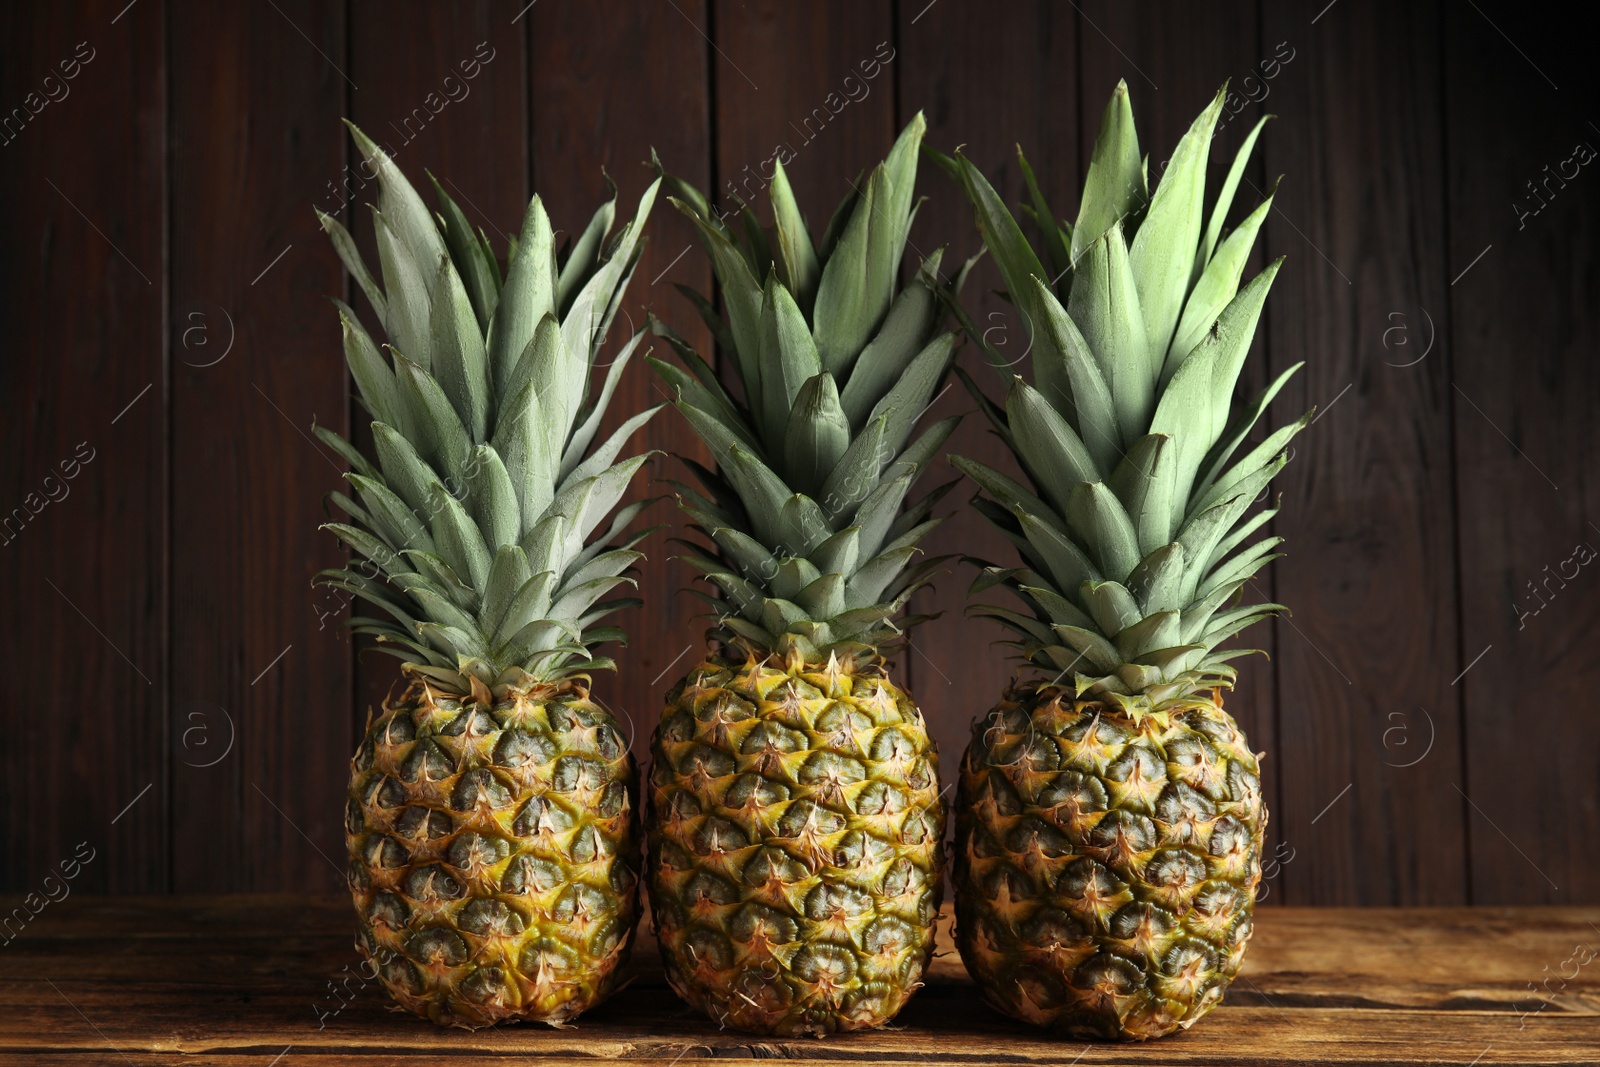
[
  {"x": 794, "y": 819},
  {"x": 493, "y": 851},
  {"x": 1110, "y": 819}
]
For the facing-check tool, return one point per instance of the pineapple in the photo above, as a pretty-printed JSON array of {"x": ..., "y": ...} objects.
[
  {"x": 491, "y": 826},
  {"x": 794, "y": 819},
  {"x": 1109, "y": 817}
]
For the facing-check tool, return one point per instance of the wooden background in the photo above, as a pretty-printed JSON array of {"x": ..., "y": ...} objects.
[{"x": 181, "y": 700}]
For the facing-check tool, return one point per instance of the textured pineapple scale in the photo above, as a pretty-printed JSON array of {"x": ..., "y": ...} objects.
[
  {"x": 796, "y": 845},
  {"x": 1105, "y": 869},
  {"x": 494, "y": 856}
]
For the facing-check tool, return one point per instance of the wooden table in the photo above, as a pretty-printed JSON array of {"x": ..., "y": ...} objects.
[{"x": 243, "y": 980}]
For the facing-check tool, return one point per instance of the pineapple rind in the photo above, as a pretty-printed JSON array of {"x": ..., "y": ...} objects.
[
  {"x": 1106, "y": 868},
  {"x": 494, "y": 857},
  {"x": 795, "y": 844}
]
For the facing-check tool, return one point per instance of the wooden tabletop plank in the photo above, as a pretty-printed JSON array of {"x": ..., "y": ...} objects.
[
  {"x": 239, "y": 980},
  {"x": 1232, "y": 1036}
]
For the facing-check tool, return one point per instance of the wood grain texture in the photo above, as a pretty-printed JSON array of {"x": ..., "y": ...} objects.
[
  {"x": 588, "y": 116},
  {"x": 249, "y": 272},
  {"x": 241, "y": 979},
  {"x": 1368, "y": 656},
  {"x": 83, "y": 489},
  {"x": 1526, "y": 388},
  {"x": 780, "y": 73},
  {"x": 144, "y": 207},
  {"x": 959, "y": 65}
]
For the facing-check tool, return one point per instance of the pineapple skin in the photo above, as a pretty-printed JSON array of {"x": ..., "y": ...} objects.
[
  {"x": 1106, "y": 870},
  {"x": 493, "y": 853},
  {"x": 795, "y": 844}
]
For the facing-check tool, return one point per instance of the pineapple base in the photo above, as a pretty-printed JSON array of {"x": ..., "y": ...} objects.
[
  {"x": 493, "y": 855},
  {"x": 795, "y": 836},
  {"x": 1106, "y": 869}
]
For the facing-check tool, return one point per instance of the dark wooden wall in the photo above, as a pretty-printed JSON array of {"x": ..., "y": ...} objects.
[{"x": 180, "y": 699}]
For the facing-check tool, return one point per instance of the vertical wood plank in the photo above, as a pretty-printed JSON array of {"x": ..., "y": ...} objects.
[
  {"x": 1367, "y": 658},
  {"x": 257, "y": 92},
  {"x": 1524, "y": 222},
  {"x": 988, "y": 78},
  {"x": 1173, "y": 68},
  {"x": 610, "y": 81},
  {"x": 83, "y": 489},
  {"x": 780, "y": 73},
  {"x": 444, "y": 90}
]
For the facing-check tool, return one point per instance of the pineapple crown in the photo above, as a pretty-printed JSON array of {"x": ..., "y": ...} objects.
[
  {"x": 811, "y": 536},
  {"x": 477, "y": 521},
  {"x": 1130, "y": 534}
]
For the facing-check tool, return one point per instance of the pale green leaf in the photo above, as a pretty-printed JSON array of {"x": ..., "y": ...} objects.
[
  {"x": 1098, "y": 520},
  {"x": 506, "y": 578},
  {"x": 1068, "y": 565},
  {"x": 1114, "y": 187},
  {"x": 1163, "y": 252},
  {"x": 839, "y": 553},
  {"x": 797, "y": 259},
  {"x": 1216, "y": 286},
  {"x": 1219, "y": 209},
  {"x": 405, "y": 472},
  {"x": 788, "y": 359},
  {"x": 404, "y": 210},
  {"x": 1057, "y": 242},
  {"x": 350, "y": 255},
  {"x": 521, "y": 446},
  {"x": 1011, "y": 495},
  {"x": 1239, "y": 429},
  {"x": 439, "y": 437},
  {"x": 530, "y": 603},
  {"x": 845, "y": 314},
  {"x": 1113, "y": 607},
  {"x": 527, "y": 296},
  {"x": 493, "y": 499},
  {"x": 583, "y": 435},
  {"x": 1105, "y": 305},
  {"x": 374, "y": 377},
  {"x": 584, "y": 257},
  {"x": 857, "y": 472},
  {"x": 1060, "y": 345},
  {"x": 478, "y": 275},
  {"x": 904, "y": 334},
  {"x": 817, "y": 435},
  {"x": 909, "y": 398},
  {"x": 1050, "y": 450},
  {"x": 459, "y": 542},
  {"x": 396, "y": 522},
  {"x": 1156, "y": 631},
  {"x": 406, "y": 283},
  {"x": 1157, "y": 582},
  {"x": 459, "y": 362},
  {"x": 1100, "y": 653}
]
